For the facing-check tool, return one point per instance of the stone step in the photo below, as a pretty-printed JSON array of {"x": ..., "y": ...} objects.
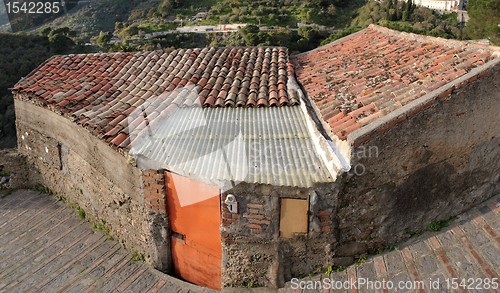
[
  {"x": 14, "y": 215},
  {"x": 47, "y": 248},
  {"x": 468, "y": 248},
  {"x": 97, "y": 274},
  {"x": 31, "y": 273},
  {"x": 28, "y": 247},
  {"x": 60, "y": 276},
  {"x": 16, "y": 197},
  {"x": 24, "y": 224},
  {"x": 120, "y": 276},
  {"x": 108, "y": 275}
]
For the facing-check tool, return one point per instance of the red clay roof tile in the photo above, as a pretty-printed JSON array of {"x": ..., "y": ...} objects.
[
  {"x": 355, "y": 80},
  {"x": 102, "y": 90}
]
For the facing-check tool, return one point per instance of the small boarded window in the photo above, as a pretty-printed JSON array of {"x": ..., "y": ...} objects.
[{"x": 293, "y": 217}]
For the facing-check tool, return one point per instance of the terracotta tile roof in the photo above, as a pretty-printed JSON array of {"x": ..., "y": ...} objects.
[
  {"x": 362, "y": 77},
  {"x": 99, "y": 91}
]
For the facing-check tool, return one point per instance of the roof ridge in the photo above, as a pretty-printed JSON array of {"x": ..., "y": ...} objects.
[
  {"x": 165, "y": 50},
  {"x": 331, "y": 43},
  {"x": 101, "y": 53},
  {"x": 453, "y": 43}
]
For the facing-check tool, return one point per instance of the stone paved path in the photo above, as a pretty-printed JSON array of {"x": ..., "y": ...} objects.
[
  {"x": 467, "y": 249},
  {"x": 45, "y": 247}
]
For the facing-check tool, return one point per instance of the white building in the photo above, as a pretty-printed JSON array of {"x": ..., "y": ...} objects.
[{"x": 443, "y": 5}]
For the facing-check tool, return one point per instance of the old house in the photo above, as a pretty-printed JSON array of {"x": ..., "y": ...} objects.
[{"x": 235, "y": 166}]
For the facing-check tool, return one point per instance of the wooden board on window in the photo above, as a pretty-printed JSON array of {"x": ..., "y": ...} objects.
[{"x": 293, "y": 217}]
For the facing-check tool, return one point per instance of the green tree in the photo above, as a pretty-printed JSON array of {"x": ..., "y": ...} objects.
[
  {"x": 132, "y": 30},
  {"x": 104, "y": 38},
  {"x": 123, "y": 47},
  {"x": 410, "y": 6},
  {"x": 250, "y": 34},
  {"x": 65, "y": 31},
  {"x": 119, "y": 26},
  {"x": 308, "y": 33},
  {"x": 407, "y": 8},
  {"x": 59, "y": 42},
  {"x": 484, "y": 20},
  {"x": 19, "y": 54},
  {"x": 166, "y": 6},
  {"x": 282, "y": 37},
  {"x": 46, "y": 31},
  {"x": 391, "y": 10},
  {"x": 331, "y": 10}
]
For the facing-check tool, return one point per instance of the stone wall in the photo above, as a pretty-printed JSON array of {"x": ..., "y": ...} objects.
[
  {"x": 85, "y": 171},
  {"x": 13, "y": 166},
  {"x": 429, "y": 163},
  {"x": 426, "y": 163},
  {"x": 252, "y": 247}
]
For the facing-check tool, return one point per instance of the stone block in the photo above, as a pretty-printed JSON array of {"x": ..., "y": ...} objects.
[
  {"x": 351, "y": 249},
  {"x": 343, "y": 261}
]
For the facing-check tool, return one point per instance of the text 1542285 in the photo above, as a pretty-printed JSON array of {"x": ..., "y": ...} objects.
[{"x": 33, "y": 7}]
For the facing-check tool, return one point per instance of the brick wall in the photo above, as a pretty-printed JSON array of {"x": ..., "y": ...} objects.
[
  {"x": 252, "y": 247},
  {"x": 325, "y": 220},
  {"x": 257, "y": 220},
  {"x": 154, "y": 191},
  {"x": 252, "y": 219}
]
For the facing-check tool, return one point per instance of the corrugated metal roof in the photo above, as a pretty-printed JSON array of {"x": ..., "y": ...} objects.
[{"x": 220, "y": 145}]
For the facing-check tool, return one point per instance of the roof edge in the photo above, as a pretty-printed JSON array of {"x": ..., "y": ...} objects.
[
  {"x": 384, "y": 123},
  {"x": 416, "y": 37},
  {"x": 33, "y": 71},
  {"x": 331, "y": 43},
  {"x": 339, "y": 147},
  {"x": 442, "y": 41},
  {"x": 336, "y": 162}
]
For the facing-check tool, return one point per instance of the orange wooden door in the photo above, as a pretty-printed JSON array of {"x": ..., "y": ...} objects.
[{"x": 194, "y": 215}]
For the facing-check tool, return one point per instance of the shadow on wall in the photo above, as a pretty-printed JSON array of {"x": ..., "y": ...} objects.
[
  {"x": 437, "y": 191},
  {"x": 435, "y": 165}
]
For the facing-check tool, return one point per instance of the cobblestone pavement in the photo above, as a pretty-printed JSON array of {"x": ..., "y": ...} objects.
[
  {"x": 46, "y": 247},
  {"x": 468, "y": 249}
]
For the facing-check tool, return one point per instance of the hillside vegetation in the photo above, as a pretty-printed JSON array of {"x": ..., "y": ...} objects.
[
  {"x": 19, "y": 55},
  {"x": 484, "y": 20},
  {"x": 22, "y": 16},
  {"x": 406, "y": 16},
  {"x": 131, "y": 17},
  {"x": 322, "y": 21},
  {"x": 265, "y": 12},
  {"x": 101, "y": 15}
]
